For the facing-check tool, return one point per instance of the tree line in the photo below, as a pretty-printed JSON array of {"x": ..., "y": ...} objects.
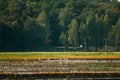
[{"x": 36, "y": 25}]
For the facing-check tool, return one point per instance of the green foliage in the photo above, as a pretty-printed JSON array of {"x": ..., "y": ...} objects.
[
  {"x": 114, "y": 35},
  {"x": 36, "y": 24},
  {"x": 43, "y": 23},
  {"x": 64, "y": 18},
  {"x": 73, "y": 33},
  {"x": 64, "y": 39}
]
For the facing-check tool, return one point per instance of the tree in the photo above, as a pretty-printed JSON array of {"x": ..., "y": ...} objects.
[
  {"x": 84, "y": 35},
  {"x": 17, "y": 14},
  {"x": 32, "y": 32},
  {"x": 118, "y": 34},
  {"x": 43, "y": 22},
  {"x": 35, "y": 24},
  {"x": 114, "y": 35},
  {"x": 3, "y": 10},
  {"x": 64, "y": 39},
  {"x": 6, "y": 37},
  {"x": 73, "y": 33},
  {"x": 64, "y": 20}
]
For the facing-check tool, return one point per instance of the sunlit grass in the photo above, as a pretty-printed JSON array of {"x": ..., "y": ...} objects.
[{"x": 55, "y": 55}]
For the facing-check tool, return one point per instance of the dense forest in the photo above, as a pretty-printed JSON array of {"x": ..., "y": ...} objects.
[{"x": 41, "y": 25}]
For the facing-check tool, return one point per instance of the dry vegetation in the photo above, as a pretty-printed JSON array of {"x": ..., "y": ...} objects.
[
  {"x": 59, "y": 66},
  {"x": 58, "y": 63}
]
